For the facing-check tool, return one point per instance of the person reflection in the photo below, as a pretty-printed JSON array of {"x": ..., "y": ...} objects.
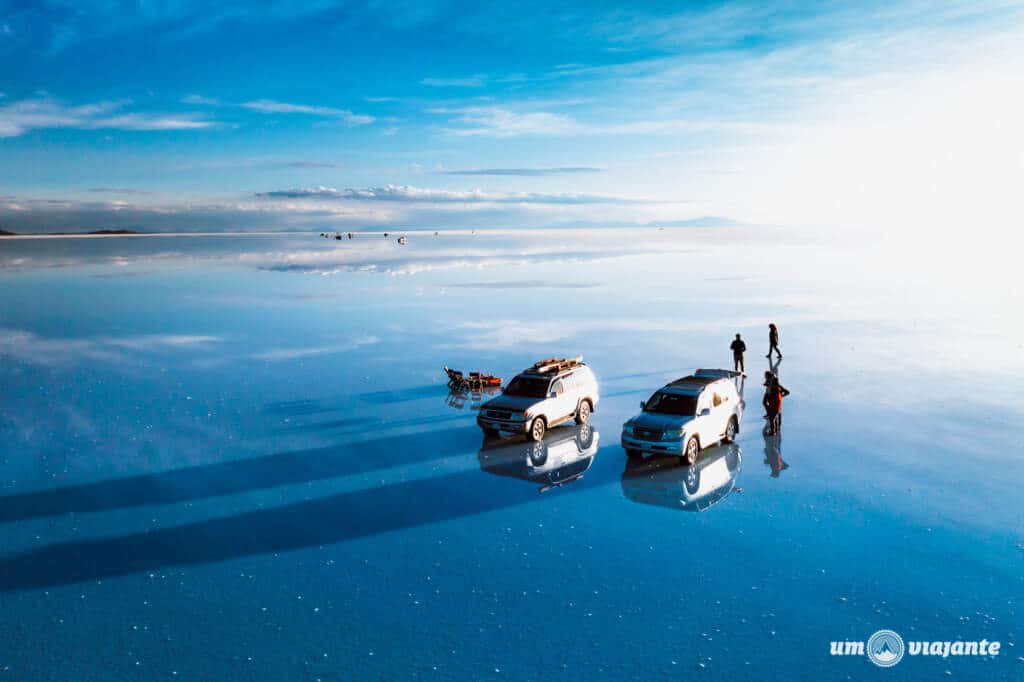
[
  {"x": 741, "y": 382},
  {"x": 773, "y": 454}
]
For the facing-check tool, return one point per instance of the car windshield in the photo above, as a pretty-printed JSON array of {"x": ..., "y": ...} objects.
[
  {"x": 672, "y": 403},
  {"x": 528, "y": 387}
]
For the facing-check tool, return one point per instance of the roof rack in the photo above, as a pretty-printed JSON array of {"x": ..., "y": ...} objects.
[
  {"x": 555, "y": 364},
  {"x": 693, "y": 380},
  {"x": 716, "y": 373}
]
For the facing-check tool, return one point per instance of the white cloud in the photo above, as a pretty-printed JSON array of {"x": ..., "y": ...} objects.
[
  {"x": 18, "y": 118},
  {"x": 466, "y": 82},
  {"x": 284, "y": 354},
  {"x": 525, "y": 172},
  {"x": 117, "y": 190},
  {"x": 511, "y": 333},
  {"x": 268, "y": 106},
  {"x": 147, "y": 342},
  {"x": 506, "y": 333},
  {"x": 200, "y": 100},
  {"x": 503, "y": 121},
  {"x": 497, "y": 121},
  {"x": 30, "y": 348},
  {"x": 149, "y": 122},
  {"x": 29, "y": 215},
  {"x": 407, "y": 193},
  {"x": 317, "y": 209}
]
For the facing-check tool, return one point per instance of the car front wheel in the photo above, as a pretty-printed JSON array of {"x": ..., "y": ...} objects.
[
  {"x": 689, "y": 457},
  {"x": 583, "y": 412},
  {"x": 537, "y": 429},
  {"x": 730, "y": 431}
]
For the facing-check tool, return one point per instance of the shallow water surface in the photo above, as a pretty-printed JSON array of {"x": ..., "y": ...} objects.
[{"x": 236, "y": 458}]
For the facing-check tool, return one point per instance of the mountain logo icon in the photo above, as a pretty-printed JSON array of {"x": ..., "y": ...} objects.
[{"x": 885, "y": 648}]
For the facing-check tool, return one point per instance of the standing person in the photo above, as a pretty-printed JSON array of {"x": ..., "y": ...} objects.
[
  {"x": 773, "y": 394},
  {"x": 738, "y": 349},
  {"x": 773, "y": 341}
]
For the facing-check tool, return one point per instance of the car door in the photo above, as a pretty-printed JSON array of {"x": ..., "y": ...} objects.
[
  {"x": 562, "y": 400},
  {"x": 721, "y": 411},
  {"x": 701, "y": 422}
]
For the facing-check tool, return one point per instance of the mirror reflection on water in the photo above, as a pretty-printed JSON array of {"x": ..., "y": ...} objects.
[{"x": 238, "y": 458}]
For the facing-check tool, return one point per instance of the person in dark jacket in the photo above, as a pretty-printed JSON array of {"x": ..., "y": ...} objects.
[
  {"x": 738, "y": 349},
  {"x": 773, "y": 341}
]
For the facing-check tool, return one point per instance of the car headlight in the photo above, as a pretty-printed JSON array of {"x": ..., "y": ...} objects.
[
  {"x": 675, "y": 434},
  {"x": 627, "y": 430}
]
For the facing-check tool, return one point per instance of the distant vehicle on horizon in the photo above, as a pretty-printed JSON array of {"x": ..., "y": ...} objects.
[
  {"x": 685, "y": 416},
  {"x": 549, "y": 393}
]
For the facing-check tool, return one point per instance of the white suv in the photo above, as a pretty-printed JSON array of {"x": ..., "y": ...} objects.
[
  {"x": 549, "y": 393},
  {"x": 685, "y": 416}
]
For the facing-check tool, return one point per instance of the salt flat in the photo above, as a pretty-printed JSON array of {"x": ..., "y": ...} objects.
[{"x": 234, "y": 457}]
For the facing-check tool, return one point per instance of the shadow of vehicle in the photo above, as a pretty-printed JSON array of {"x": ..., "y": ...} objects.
[
  {"x": 562, "y": 457},
  {"x": 244, "y": 475},
  {"x": 663, "y": 482},
  {"x": 317, "y": 522}
]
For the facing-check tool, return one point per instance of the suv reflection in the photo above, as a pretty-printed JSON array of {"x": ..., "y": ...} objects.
[
  {"x": 661, "y": 481},
  {"x": 563, "y": 456}
]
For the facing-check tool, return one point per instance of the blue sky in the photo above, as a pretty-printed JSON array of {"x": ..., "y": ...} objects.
[{"x": 323, "y": 115}]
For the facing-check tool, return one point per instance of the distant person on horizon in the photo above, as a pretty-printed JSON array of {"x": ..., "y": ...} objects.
[
  {"x": 773, "y": 341},
  {"x": 738, "y": 349}
]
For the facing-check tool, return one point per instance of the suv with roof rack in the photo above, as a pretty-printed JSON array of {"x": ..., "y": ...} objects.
[
  {"x": 548, "y": 393},
  {"x": 686, "y": 416}
]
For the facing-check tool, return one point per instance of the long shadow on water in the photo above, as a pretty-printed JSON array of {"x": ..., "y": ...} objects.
[
  {"x": 351, "y": 424},
  {"x": 324, "y": 521},
  {"x": 236, "y": 476},
  {"x": 300, "y": 408}
]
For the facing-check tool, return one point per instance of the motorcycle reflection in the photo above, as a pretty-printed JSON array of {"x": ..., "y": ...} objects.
[
  {"x": 459, "y": 398},
  {"x": 661, "y": 481},
  {"x": 563, "y": 456}
]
